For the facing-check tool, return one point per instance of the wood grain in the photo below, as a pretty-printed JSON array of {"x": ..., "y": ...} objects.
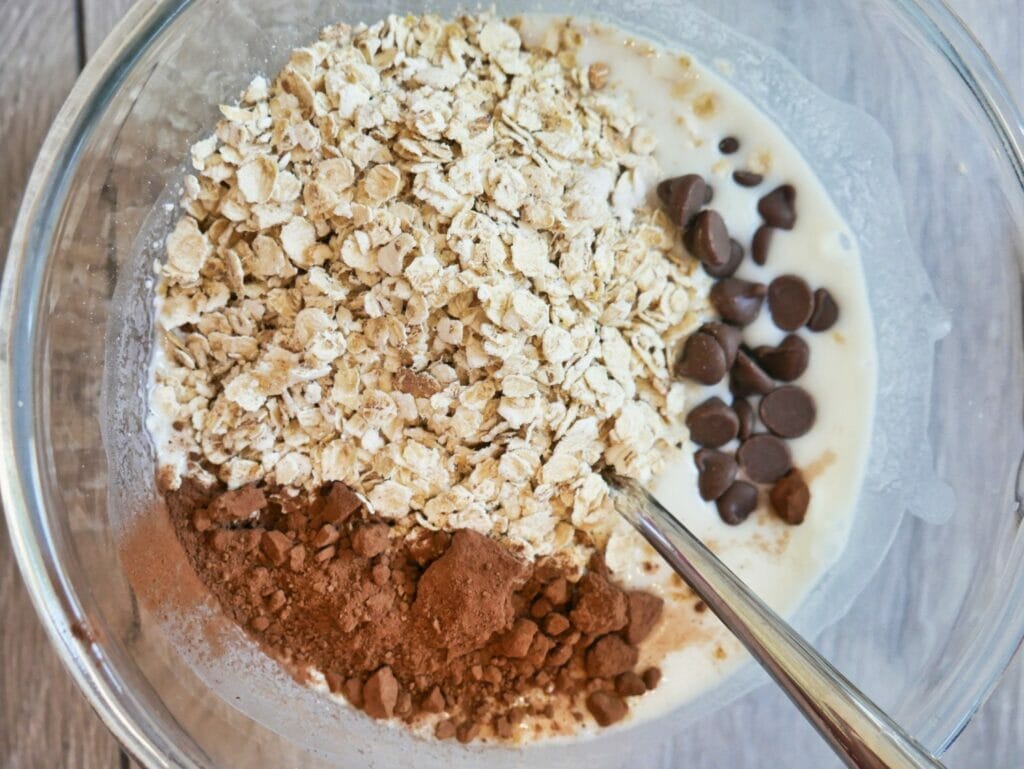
[
  {"x": 36, "y": 72},
  {"x": 46, "y": 722},
  {"x": 98, "y": 17}
]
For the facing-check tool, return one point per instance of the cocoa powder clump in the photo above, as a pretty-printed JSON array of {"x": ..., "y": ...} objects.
[
  {"x": 601, "y": 607},
  {"x": 516, "y": 643},
  {"x": 380, "y": 694},
  {"x": 371, "y": 540},
  {"x": 337, "y": 504},
  {"x": 465, "y": 596},
  {"x": 606, "y": 707},
  {"x": 610, "y": 656},
  {"x": 448, "y": 629},
  {"x": 644, "y": 611},
  {"x": 237, "y": 505}
]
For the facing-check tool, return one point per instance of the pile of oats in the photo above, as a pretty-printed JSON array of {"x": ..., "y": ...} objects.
[{"x": 422, "y": 262}]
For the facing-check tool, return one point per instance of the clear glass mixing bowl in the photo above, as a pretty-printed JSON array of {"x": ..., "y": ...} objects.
[{"x": 120, "y": 140}]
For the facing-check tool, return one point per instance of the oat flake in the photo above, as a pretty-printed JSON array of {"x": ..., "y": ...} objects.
[{"x": 421, "y": 261}]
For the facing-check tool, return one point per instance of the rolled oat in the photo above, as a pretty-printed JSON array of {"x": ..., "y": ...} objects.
[{"x": 421, "y": 262}]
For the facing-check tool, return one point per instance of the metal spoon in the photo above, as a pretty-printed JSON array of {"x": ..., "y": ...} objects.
[{"x": 856, "y": 729}]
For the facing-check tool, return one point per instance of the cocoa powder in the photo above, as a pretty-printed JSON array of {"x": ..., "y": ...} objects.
[
  {"x": 465, "y": 596},
  {"x": 451, "y": 630}
]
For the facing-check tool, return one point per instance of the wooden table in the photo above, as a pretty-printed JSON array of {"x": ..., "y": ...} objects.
[{"x": 45, "y": 721}]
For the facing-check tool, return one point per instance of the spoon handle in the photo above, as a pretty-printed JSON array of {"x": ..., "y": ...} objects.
[{"x": 859, "y": 732}]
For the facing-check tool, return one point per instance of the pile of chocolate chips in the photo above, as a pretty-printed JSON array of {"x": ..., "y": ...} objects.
[
  {"x": 717, "y": 350},
  {"x": 448, "y": 629}
]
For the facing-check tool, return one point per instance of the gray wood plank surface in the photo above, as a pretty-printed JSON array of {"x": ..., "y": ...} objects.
[
  {"x": 98, "y": 17},
  {"x": 45, "y": 722}
]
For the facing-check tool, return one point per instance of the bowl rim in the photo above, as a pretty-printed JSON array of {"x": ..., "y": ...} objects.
[{"x": 53, "y": 596}]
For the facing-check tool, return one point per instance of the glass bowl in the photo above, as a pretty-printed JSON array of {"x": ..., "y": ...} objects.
[{"x": 927, "y": 638}]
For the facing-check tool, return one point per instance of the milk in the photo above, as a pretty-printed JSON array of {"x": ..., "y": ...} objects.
[{"x": 690, "y": 108}]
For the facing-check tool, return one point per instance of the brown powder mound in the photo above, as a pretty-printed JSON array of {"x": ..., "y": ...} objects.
[
  {"x": 450, "y": 629},
  {"x": 465, "y": 596}
]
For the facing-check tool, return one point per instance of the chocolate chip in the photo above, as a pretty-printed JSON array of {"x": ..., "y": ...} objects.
[
  {"x": 702, "y": 360},
  {"x": 778, "y": 207},
  {"x": 764, "y": 458},
  {"x": 716, "y": 471},
  {"x": 683, "y": 197},
  {"x": 728, "y": 337},
  {"x": 786, "y": 362},
  {"x": 747, "y": 378},
  {"x": 745, "y": 415},
  {"x": 825, "y": 312},
  {"x": 730, "y": 267},
  {"x": 664, "y": 190},
  {"x": 738, "y": 301},
  {"x": 712, "y": 423},
  {"x": 728, "y": 145},
  {"x": 708, "y": 239},
  {"x": 737, "y": 503},
  {"x": 761, "y": 243},
  {"x": 790, "y": 302},
  {"x": 788, "y": 411},
  {"x": 790, "y": 497},
  {"x": 747, "y": 178}
]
